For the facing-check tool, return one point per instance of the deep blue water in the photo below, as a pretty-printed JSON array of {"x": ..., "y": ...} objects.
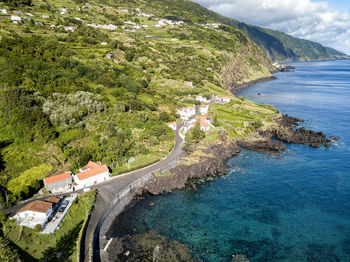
[{"x": 292, "y": 207}]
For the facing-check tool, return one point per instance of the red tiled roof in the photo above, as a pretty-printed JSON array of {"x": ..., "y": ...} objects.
[
  {"x": 204, "y": 105},
  {"x": 56, "y": 178},
  {"x": 94, "y": 170},
  {"x": 53, "y": 200},
  {"x": 204, "y": 121},
  {"x": 172, "y": 124},
  {"x": 37, "y": 206},
  {"x": 226, "y": 97}
]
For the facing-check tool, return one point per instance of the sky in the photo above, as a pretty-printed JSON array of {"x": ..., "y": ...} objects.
[{"x": 326, "y": 22}]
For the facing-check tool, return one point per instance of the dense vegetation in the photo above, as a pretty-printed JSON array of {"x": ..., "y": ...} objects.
[{"x": 67, "y": 98}]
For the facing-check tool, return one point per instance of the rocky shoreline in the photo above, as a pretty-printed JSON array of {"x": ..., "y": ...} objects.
[
  {"x": 151, "y": 245},
  {"x": 214, "y": 158},
  {"x": 237, "y": 88}
]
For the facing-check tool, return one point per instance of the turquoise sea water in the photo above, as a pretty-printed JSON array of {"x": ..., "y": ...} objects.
[{"x": 292, "y": 207}]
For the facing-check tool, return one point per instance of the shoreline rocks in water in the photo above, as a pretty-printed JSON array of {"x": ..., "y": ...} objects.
[
  {"x": 211, "y": 165},
  {"x": 214, "y": 159},
  {"x": 148, "y": 246},
  {"x": 303, "y": 136}
]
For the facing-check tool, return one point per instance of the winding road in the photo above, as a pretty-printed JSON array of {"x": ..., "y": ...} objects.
[{"x": 107, "y": 190}]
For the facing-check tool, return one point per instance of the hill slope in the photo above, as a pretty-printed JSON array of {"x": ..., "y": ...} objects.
[{"x": 276, "y": 45}]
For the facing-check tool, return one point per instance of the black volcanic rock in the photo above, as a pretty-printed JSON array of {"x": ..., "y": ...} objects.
[
  {"x": 263, "y": 146},
  {"x": 148, "y": 247}
]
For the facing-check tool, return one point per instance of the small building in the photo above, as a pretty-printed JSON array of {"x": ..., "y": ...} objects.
[
  {"x": 225, "y": 99},
  {"x": 204, "y": 109},
  {"x": 202, "y": 99},
  {"x": 3, "y": 11},
  {"x": 172, "y": 125},
  {"x": 91, "y": 174},
  {"x": 186, "y": 112},
  {"x": 18, "y": 13},
  {"x": 58, "y": 182},
  {"x": 45, "y": 16},
  {"x": 34, "y": 213},
  {"x": 189, "y": 124},
  {"x": 16, "y": 19},
  {"x": 187, "y": 83},
  {"x": 63, "y": 11},
  {"x": 204, "y": 123}
]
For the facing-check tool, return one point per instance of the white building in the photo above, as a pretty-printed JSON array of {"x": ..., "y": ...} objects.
[
  {"x": 190, "y": 124},
  {"x": 172, "y": 125},
  {"x": 35, "y": 213},
  {"x": 202, "y": 99},
  {"x": 16, "y": 19},
  {"x": 187, "y": 83},
  {"x": 69, "y": 28},
  {"x": 63, "y": 11},
  {"x": 186, "y": 113},
  {"x": 225, "y": 99},
  {"x": 45, "y": 16},
  {"x": 4, "y": 11},
  {"x": 58, "y": 182},
  {"x": 91, "y": 174},
  {"x": 204, "y": 109},
  {"x": 204, "y": 123}
]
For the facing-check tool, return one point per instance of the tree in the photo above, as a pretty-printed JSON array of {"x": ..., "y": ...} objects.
[
  {"x": 215, "y": 121},
  {"x": 197, "y": 133},
  {"x": 7, "y": 253}
]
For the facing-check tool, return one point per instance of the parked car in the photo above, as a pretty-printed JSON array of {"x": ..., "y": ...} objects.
[{"x": 63, "y": 206}]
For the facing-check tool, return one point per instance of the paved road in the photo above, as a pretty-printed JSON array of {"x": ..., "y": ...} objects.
[{"x": 107, "y": 190}]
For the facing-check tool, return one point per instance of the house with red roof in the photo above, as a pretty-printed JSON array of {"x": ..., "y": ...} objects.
[
  {"x": 34, "y": 213},
  {"x": 58, "y": 182},
  {"x": 91, "y": 174},
  {"x": 204, "y": 123}
]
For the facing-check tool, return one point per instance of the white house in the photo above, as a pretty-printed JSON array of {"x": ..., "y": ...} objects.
[
  {"x": 15, "y": 19},
  {"x": 225, "y": 99},
  {"x": 202, "y": 99},
  {"x": 187, "y": 83},
  {"x": 58, "y": 182},
  {"x": 35, "y": 213},
  {"x": 186, "y": 112},
  {"x": 63, "y": 11},
  {"x": 91, "y": 174},
  {"x": 172, "y": 125},
  {"x": 204, "y": 109},
  {"x": 190, "y": 124},
  {"x": 4, "y": 11},
  {"x": 204, "y": 123},
  {"x": 220, "y": 99}
]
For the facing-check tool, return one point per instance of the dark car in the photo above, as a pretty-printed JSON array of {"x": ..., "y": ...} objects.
[{"x": 63, "y": 206}]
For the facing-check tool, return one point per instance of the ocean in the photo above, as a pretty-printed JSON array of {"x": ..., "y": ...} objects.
[{"x": 289, "y": 207}]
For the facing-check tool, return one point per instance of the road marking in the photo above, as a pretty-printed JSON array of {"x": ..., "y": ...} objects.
[{"x": 106, "y": 247}]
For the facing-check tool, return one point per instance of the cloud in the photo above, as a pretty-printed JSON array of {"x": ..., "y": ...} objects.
[{"x": 314, "y": 21}]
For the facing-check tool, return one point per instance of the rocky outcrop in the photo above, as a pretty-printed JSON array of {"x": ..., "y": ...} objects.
[
  {"x": 149, "y": 246},
  {"x": 211, "y": 165},
  {"x": 263, "y": 146},
  {"x": 239, "y": 258},
  {"x": 285, "y": 132}
]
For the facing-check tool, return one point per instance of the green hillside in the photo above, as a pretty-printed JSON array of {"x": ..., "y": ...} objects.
[
  {"x": 99, "y": 80},
  {"x": 277, "y": 45}
]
